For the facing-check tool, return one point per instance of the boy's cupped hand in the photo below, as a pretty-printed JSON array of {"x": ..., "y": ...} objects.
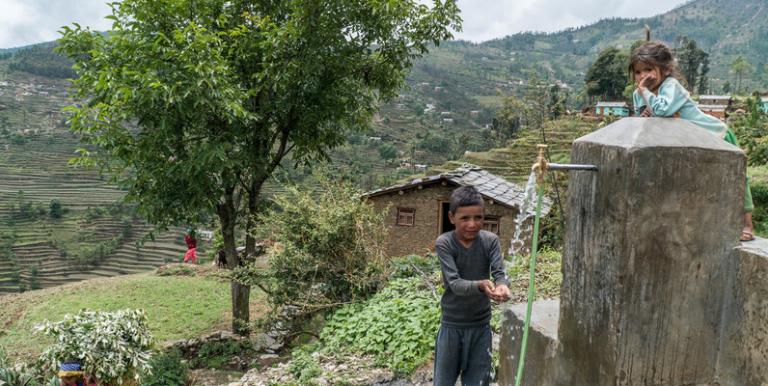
[{"x": 498, "y": 293}]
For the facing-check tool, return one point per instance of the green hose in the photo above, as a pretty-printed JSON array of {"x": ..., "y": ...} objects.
[{"x": 531, "y": 287}]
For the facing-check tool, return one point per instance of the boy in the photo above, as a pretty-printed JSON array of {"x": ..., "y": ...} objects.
[{"x": 467, "y": 255}]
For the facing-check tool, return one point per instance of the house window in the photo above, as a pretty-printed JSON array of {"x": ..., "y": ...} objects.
[
  {"x": 406, "y": 216},
  {"x": 491, "y": 224}
]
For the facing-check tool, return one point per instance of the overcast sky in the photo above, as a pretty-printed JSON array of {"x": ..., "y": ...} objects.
[{"x": 25, "y": 22}]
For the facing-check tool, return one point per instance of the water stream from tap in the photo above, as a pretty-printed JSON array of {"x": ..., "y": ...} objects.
[{"x": 523, "y": 227}]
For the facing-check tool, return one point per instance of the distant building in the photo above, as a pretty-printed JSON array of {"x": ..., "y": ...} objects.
[
  {"x": 474, "y": 113},
  {"x": 448, "y": 120},
  {"x": 722, "y": 100},
  {"x": 715, "y": 105},
  {"x": 717, "y": 111},
  {"x": 417, "y": 211},
  {"x": 764, "y": 103},
  {"x": 618, "y": 109}
]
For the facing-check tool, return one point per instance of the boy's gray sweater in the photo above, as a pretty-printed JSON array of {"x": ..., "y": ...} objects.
[{"x": 463, "y": 304}]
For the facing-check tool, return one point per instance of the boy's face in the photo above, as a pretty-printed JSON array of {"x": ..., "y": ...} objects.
[{"x": 468, "y": 221}]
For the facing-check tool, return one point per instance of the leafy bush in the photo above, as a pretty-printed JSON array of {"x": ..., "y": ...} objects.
[
  {"x": 760, "y": 214},
  {"x": 21, "y": 375},
  {"x": 328, "y": 250},
  {"x": 55, "y": 209},
  {"x": 168, "y": 369},
  {"x": 112, "y": 346},
  {"x": 304, "y": 366},
  {"x": 397, "y": 326},
  {"x": 415, "y": 265}
]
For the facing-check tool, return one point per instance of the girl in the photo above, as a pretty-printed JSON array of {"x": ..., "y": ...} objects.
[{"x": 658, "y": 93}]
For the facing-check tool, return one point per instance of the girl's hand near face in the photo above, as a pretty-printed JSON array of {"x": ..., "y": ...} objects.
[{"x": 646, "y": 82}]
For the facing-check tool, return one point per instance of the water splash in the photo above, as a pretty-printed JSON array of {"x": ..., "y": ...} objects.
[{"x": 523, "y": 227}]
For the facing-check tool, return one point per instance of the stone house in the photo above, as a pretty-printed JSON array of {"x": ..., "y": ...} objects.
[{"x": 417, "y": 211}]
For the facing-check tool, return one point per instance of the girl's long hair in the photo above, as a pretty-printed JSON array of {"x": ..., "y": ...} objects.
[{"x": 656, "y": 54}]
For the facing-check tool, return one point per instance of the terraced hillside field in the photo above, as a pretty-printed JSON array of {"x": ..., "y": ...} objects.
[
  {"x": 90, "y": 235},
  {"x": 514, "y": 161}
]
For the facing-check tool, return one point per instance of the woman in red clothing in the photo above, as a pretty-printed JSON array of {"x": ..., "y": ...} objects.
[{"x": 191, "y": 242}]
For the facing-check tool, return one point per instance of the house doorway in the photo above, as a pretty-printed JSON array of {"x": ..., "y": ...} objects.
[{"x": 445, "y": 222}]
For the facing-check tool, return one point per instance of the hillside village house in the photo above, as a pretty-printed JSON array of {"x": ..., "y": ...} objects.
[
  {"x": 618, "y": 109},
  {"x": 715, "y": 105},
  {"x": 764, "y": 103},
  {"x": 418, "y": 210}
]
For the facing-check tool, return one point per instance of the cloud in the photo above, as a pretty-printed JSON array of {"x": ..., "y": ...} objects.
[
  {"x": 24, "y": 22},
  {"x": 489, "y": 19}
]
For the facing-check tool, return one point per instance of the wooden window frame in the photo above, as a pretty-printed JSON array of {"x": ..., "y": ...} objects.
[
  {"x": 408, "y": 212},
  {"x": 490, "y": 221}
]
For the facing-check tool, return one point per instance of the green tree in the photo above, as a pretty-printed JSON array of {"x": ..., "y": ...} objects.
[
  {"x": 55, "y": 209},
  {"x": 387, "y": 151},
  {"x": 508, "y": 119},
  {"x": 741, "y": 67},
  {"x": 703, "y": 78},
  {"x": 607, "y": 77},
  {"x": 192, "y": 105},
  {"x": 690, "y": 59},
  {"x": 764, "y": 75},
  {"x": 557, "y": 101}
]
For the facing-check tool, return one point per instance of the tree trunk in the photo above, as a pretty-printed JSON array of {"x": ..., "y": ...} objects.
[{"x": 240, "y": 293}]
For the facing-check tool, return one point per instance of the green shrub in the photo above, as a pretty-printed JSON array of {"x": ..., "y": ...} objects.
[
  {"x": 415, "y": 266},
  {"x": 397, "y": 325},
  {"x": 304, "y": 367},
  {"x": 329, "y": 250},
  {"x": 760, "y": 199},
  {"x": 168, "y": 369},
  {"x": 112, "y": 346},
  {"x": 55, "y": 209}
]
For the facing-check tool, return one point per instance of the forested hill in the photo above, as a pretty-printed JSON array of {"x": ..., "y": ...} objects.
[
  {"x": 456, "y": 89},
  {"x": 723, "y": 28}
]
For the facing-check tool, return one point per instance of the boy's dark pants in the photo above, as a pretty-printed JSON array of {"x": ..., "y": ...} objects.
[{"x": 465, "y": 352}]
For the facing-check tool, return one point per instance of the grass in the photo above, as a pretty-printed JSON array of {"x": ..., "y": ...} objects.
[{"x": 177, "y": 307}]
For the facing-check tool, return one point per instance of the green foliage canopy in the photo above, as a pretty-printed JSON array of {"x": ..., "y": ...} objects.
[
  {"x": 741, "y": 68},
  {"x": 607, "y": 77},
  {"x": 693, "y": 63},
  {"x": 191, "y": 105}
]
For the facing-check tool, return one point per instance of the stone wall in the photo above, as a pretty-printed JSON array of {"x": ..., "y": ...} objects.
[{"x": 420, "y": 238}]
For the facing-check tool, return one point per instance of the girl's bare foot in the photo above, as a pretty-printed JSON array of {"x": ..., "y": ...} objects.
[{"x": 748, "y": 233}]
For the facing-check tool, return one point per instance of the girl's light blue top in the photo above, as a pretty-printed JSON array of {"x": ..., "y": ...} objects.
[{"x": 673, "y": 98}]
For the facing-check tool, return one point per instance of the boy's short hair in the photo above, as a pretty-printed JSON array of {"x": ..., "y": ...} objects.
[{"x": 465, "y": 196}]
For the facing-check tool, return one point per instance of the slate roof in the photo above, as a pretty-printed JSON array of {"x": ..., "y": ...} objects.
[{"x": 489, "y": 185}]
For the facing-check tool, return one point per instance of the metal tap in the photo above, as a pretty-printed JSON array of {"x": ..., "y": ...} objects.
[{"x": 541, "y": 165}]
